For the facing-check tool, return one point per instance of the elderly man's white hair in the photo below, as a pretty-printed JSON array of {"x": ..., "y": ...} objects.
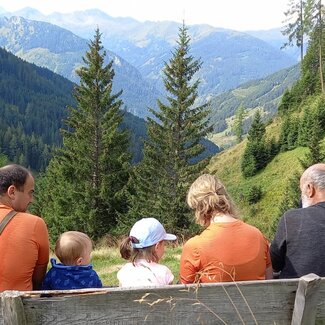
[{"x": 315, "y": 174}]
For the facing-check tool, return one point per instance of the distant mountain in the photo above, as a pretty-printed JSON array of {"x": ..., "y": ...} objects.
[
  {"x": 275, "y": 38},
  {"x": 61, "y": 51},
  {"x": 229, "y": 57},
  {"x": 263, "y": 93}
]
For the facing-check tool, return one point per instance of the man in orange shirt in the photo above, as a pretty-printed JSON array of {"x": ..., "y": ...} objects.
[{"x": 24, "y": 242}]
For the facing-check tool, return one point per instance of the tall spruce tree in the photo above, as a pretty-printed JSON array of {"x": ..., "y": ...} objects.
[
  {"x": 238, "y": 123},
  {"x": 84, "y": 188},
  {"x": 169, "y": 166},
  {"x": 255, "y": 156},
  {"x": 315, "y": 21}
]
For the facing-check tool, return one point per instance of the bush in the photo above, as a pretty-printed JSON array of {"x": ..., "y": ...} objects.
[{"x": 254, "y": 194}]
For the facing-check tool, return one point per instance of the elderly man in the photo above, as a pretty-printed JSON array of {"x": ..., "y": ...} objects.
[
  {"x": 24, "y": 243},
  {"x": 299, "y": 244}
]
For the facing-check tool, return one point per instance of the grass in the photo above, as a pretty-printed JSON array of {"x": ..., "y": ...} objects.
[{"x": 107, "y": 261}]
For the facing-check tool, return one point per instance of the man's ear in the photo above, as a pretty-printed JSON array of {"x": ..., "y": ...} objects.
[
  {"x": 310, "y": 190},
  {"x": 11, "y": 191}
]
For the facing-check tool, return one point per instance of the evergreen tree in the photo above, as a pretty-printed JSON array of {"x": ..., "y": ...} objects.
[
  {"x": 255, "y": 156},
  {"x": 314, "y": 20},
  {"x": 162, "y": 179},
  {"x": 296, "y": 27},
  {"x": 238, "y": 123},
  {"x": 87, "y": 178},
  {"x": 316, "y": 153},
  {"x": 293, "y": 133},
  {"x": 272, "y": 149},
  {"x": 285, "y": 128},
  {"x": 286, "y": 103},
  {"x": 306, "y": 126}
]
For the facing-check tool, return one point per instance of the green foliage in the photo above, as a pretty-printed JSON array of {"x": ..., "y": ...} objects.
[
  {"x": 160, "y": 182},
  {"x": 264, "y": 93},
  {"x": 253, "y": 194},
  {"x": 85, "y": 185},
  {"x": 32, "y": 105},
  {"x": 290, "y": 199},
  {"x": 286, "y": 103},
  {"x": 298, "y": 28},
  {"x": 3, "y": 160},
  {"x": 255, "y": 156},
  {"x": 238, "y": 123}
]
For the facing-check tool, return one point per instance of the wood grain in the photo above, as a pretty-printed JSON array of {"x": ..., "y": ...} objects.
[{"x": 251, "y": 302}]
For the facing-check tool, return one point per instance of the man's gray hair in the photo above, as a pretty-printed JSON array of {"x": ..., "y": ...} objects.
[{"x": 316, "y": 177}]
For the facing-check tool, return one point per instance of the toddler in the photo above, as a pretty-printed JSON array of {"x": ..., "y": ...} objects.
[
  {"x": 73, "y": 248},
  {"x": 144, "y": 248}
]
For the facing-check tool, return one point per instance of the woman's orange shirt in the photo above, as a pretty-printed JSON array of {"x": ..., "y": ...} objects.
[{"x": 223, "y": 252}]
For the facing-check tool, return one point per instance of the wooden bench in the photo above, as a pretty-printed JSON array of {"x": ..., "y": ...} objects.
[{"x": 294, "y": 301}]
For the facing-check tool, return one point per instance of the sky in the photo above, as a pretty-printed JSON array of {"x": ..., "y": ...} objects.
[{"x": 233, "y": 14}]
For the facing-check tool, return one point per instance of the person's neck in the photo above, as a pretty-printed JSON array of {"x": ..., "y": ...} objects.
[
  {"x": 222, "y": 218},
  {"x": 5, "y": 201}
]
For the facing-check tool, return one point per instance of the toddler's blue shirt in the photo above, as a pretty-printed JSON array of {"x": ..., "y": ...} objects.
[{"x": 63, "y": 277}]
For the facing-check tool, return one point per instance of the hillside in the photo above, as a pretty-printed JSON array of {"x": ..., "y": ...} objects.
[
  {"x": 264, "y": 94},
  {"x": 33, "y": 103},
  {"x": 273, "y": 180}
]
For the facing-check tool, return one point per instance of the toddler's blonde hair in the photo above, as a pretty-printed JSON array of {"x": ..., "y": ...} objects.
[{"x": 71, "y": 245}]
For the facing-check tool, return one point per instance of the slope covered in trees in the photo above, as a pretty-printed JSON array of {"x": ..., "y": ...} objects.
[
  {"x": 33, "y": 101},
  {"x": 263, "y": 93}
]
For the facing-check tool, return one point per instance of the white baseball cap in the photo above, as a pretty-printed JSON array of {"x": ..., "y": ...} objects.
[{"x": 148, "y": 232}]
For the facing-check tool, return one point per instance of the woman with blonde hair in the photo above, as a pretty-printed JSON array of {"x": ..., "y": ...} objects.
[{"x": 228, "y": 249}]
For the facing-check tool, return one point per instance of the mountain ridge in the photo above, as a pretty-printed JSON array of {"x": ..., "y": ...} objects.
[{"x": 147, "y": 45}]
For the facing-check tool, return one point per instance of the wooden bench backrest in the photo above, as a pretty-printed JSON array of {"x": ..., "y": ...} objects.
[{"x": 253, "y": 302}]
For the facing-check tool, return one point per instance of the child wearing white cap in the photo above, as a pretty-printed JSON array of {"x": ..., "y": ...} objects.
[{"x": 144, "y": 248}]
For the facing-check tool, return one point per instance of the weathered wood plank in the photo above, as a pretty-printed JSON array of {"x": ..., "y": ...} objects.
[
  {"x": 12, "y": 308},
  {"x": 263, "y": 302},
  {"x": 320, "y": 316},
  {"x": 305, "y": 307},
  {"x": 254, "y": 302}
]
